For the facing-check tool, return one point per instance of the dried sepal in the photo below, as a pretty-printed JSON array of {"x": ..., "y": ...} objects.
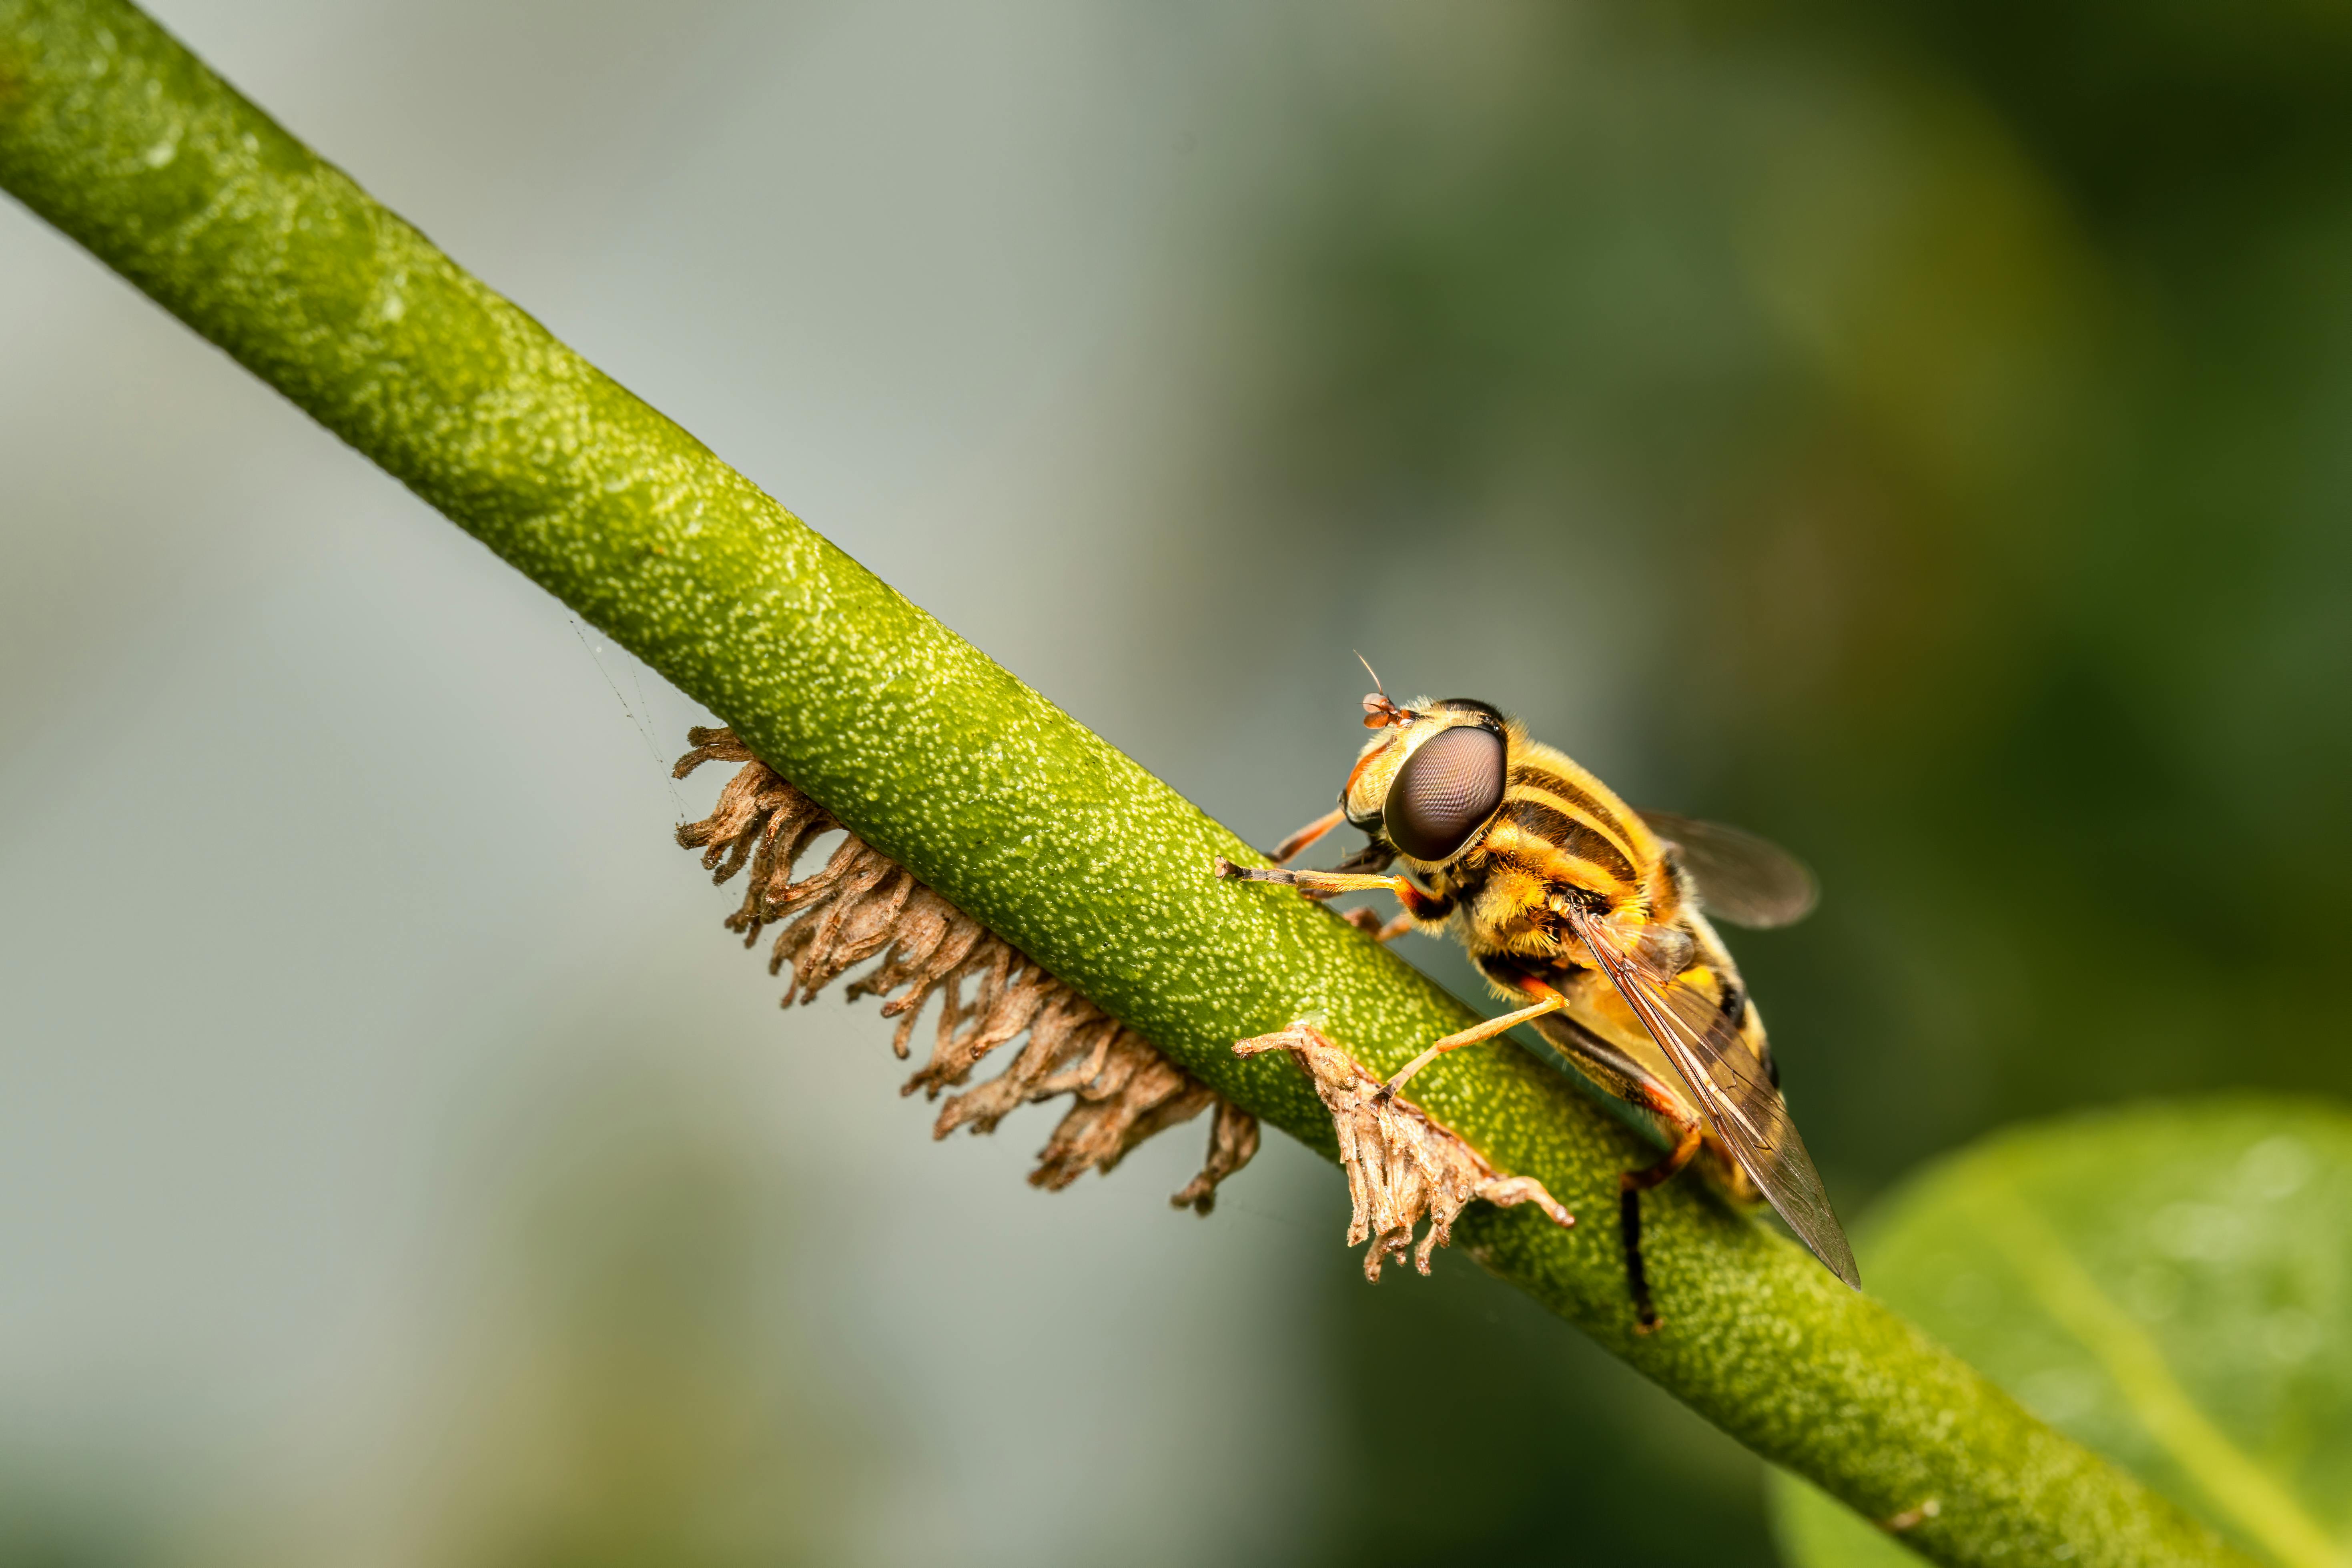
[
  {"x": 863, "y": 906},
  {"x": 1232, "y": 1141},
  {"x": 1400, "y": 1165}
]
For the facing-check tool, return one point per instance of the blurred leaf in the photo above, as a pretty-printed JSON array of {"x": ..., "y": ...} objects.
[{"x": 2170, "y": 1284}]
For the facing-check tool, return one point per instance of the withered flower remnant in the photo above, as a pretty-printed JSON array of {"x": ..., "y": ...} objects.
[{"x": 862, "y": 905}]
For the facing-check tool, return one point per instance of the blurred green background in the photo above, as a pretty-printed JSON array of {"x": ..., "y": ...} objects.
[{"x": 1917, "y": 432}]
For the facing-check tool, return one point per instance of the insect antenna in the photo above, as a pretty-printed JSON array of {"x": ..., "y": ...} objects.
[{"x": 1379, "y": 711}]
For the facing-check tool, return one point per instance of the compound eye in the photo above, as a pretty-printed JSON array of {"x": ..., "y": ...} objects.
[{"x": 1445, "y": 789}]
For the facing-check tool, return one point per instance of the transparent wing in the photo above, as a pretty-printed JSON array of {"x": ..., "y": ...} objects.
[
  {"x": 1734, "y": 1090},
  {"x": 1742, "y": 878}
]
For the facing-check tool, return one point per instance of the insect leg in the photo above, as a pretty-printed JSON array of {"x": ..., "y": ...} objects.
[
  {"x": 1315, "y": 884},
  {"x": 1632, "y": 1184},
  {"x": 1371, "y": 924},
  {"x": 1470, "y": 1037},
  {"x": 1614, "y": 1073},
  {"x": 1298, "y": 843},
  {"x": 1327, "y": 884}
]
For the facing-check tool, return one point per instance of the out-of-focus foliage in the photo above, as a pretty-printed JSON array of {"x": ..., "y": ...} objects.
[
  {"x": 1917, "y": 433},
  {"x": 629, "y": 1407},
  {"x": 629, "y": 1382},
  {"x": 994, "y": 798},
  {"x": 2170, "y": 1285},
  {"x": 1471, "y": 1430}
]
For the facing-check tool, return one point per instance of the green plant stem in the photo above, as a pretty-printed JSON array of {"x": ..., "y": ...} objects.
[{"x": 120, "y": 137}]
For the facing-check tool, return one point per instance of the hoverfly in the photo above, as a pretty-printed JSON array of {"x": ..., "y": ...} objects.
[{"x": 1594, "y": 917}]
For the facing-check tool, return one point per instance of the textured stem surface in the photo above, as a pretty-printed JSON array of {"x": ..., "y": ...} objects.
[{"x": 120, "y": 137}]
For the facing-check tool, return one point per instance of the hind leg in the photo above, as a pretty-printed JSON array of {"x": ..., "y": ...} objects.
[
  {"x": 1616, "y": 1073},
  {"x": 1632, "y": 1184}
]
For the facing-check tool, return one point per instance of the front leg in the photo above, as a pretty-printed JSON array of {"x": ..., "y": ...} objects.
[
  {"x": 1298, "y": 844},
  {"x": 1422, "y": 906}
]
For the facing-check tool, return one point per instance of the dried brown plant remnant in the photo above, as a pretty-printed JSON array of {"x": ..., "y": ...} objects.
[
  {"x": 862, "y": 905},
  {"x": 1400, "y": 1165}
]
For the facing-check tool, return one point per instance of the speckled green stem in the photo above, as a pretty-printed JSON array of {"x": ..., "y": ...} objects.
[{"x": 116, "y": 134}]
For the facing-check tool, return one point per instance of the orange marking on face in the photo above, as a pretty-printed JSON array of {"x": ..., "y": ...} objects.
[{"x": 1361, "y": 763}]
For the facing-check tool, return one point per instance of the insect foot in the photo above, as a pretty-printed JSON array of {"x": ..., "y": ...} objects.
[
  {"x": 1401, "y": 1165},
  {"x": 862, "y": 905}
]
